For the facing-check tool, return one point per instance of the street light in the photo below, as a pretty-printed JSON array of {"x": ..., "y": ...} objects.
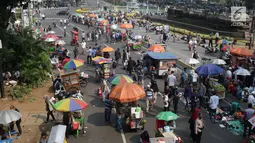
[{"x": 1, "y": 74}]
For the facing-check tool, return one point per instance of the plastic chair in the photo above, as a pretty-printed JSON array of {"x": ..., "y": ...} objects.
[{"x": 81, "y": 124}]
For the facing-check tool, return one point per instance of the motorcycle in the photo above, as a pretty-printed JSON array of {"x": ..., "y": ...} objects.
[
  {"x": 83, "y": 79},
  {"x": 77, "y": 95},
  {"x": 211, "y": 50}
]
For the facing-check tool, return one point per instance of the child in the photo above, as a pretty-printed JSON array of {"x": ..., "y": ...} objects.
[{"x": 166, "y": 103}]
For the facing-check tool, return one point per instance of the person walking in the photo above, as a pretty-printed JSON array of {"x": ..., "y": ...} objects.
[
  {"x": 213, "y": 104},
  {"x": 149, "y": 97},
  {"x": 64, "y": 31},
  {"x": 210, "y": 42},
  {"x": 201, "y": 93},
  {"x": 89, "y": 56},
  {"x": 166, "y": 101},
  {"x": 83, "y": 35},
  {"x": 83, "y": 46},
  {"x": 248, "y": 113},
  {"x": 49, "y": 109},
  {"x": 199, "y": 126},
  {"x": 108, "y": 109},
  {"x": 176, "y": 99},
  {"x": 187, "y": 93},
  {"x": 192, "y": 123},
  {"x": 16, "y": 122},
  {"x": 75, "y": 51},
  {"x": 124, "y": 57},
  {"x": 117, "y": 55}
]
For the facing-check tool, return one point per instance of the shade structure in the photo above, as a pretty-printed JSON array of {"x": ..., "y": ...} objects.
[
  {"x": 103, "y": 61},
  {"x": 241, "y": 52},
  {"x": 104, "y": 21},
  {"x": 51, "y": 36},
  {"x": 126, "y": 26},
  {"x": 70, "y": 105},
  {"x": 50, "y": 40},
  {"x": 92, "y": 15},
  {"x": 192, "y": 61},
  {"x": 167, "y": 116},
  {"x": 156, "y": 48},
  {"x": 120, "y": 79},
  {"x": 209, "y": 70},
  {"x": 8, "y": 116},
  {"x": 107, "y": 49},
  {"x": 219, "y": 62},
  {"x": 72, "y": 64},
  {"x": 223, "y": 41},
  {"x": 136, "y": 37},
  {"x": 242, "y": 71},
  {"x": 128, "y": 92},
  {"x": 60, "y": 42},
  {"x": 96, "y": 58}
]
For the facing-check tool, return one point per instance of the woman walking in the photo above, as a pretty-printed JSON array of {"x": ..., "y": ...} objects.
[
  {"x": 199, "y": 126},
  {"x": 192, "y": 123}
]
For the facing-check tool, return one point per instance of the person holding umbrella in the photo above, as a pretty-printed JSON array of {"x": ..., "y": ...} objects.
[{"x": 16, "y": 122}]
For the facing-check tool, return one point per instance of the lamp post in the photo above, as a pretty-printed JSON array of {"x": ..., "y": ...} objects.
[{"x": 1, "y": 74}]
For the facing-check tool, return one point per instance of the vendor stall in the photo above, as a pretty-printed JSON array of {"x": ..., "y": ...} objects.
[
  {"x": 239, "y": 56},
  {"x": 57, "y": 134},
  {"x": 160, "y": 61},
  {"x": 71, "y": 80},
  {"x": 220, "y": 89}
]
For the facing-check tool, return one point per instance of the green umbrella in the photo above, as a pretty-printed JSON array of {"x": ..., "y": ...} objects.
[{"x": 167, "y": 116}]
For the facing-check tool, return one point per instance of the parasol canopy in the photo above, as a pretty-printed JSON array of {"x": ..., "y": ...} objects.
[
  {"x": 242, "y": 71},
  {"x": 104, "y": 22},
  {"x": 51, "y": 32},
  {"x": 167, "y": 116},
  {"x": 107, "y": 49},
  {"x": 8, "y": 116},
  {"x": 114, "y": 26},
  {"x": 219, "y": 62},
  {"x": 157, "y": 48},
  {"x": 51, "y": 36},
  {"x": 96, "y": 58},
  {"x": 126, "y": 26},
  {"x": 73, "y": 64},
  {"x": 60, "y": 42},
  {"x": 241, "y": 52},
  {"x": 92, "y": 15},
  {"x": 100, "y": 19},
  {"x": 209, "y": 70},
  {"x": 192, "y": 61},
  {"x": 102, "y": 61},
  {"x": 70, "y": 105},
  {"x": 128, "y": 92},
  {"x": 136, "y": 37},
  {"x": 120, "y": 79},
  {"x": 50, "y": 40}
]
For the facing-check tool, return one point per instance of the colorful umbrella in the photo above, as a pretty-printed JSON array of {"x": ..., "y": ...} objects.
[
  {"x": 241, "y": 52},
  {"x": 51, "y": 36},
  {"x": 120, "y": 79},
  {"x": 209, "y": 70},
  {"x": 60, "y": 42},
  {"x": 128, "y": 92},
  {"x": 104, "y": 22},
  {"x": 107, "y": 49},
  {"x": 92, "y": 15},
  {"x": 96, "y": 58},
  {"x": 102, "y": 61},
  {"x": 167, "y": 116},
  {"x": 157, "y": 48},
  {"x": 126, "y": 26},
  {"x": 72, "y": 64},
  {"x": 70, "y": 105}
]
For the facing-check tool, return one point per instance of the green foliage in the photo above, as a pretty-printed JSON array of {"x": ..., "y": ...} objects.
[
  {"x": 18, "y": 92},
  {"x": 26, "y": 54}
]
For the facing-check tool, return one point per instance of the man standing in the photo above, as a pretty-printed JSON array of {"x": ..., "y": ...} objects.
[
  {"x": 83, "y": 35},
  {"x": 108, "y": 109},
  {"x": 213, "y": 103},
  {"x": 49, "y": 109},
  {"x": 171, "y": 80},
  {"x": 83, "y": 46},
  {"x": 64, "y": 31},
  {"x": 149, "y": 97},
  {"x": 117, "y": 55},
  {"x": 17, "y": 122},
  {"x": 249, "y": 112},
  {"x": 89, "y": 57}
]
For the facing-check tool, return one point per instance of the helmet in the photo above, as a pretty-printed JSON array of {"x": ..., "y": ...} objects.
[{"x": 148, "y": 85}]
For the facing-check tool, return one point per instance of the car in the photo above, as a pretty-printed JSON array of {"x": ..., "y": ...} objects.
[{"x": 64, "y": 12}]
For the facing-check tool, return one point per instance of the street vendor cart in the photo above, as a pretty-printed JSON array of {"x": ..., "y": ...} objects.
[
  {"x": 135, "y": 118},
  {"x": 160, "y": 61},
  {"x": 71, "y": 80}
]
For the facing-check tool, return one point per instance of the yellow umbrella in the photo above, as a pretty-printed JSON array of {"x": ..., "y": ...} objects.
[
  {"x": 107, "y": 49},
  {"x": 96, "y": 58}
]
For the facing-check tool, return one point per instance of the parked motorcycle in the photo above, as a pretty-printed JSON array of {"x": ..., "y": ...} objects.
[
  {"x": 83, "y": 79},
  {"x": 211, "y": 50}
]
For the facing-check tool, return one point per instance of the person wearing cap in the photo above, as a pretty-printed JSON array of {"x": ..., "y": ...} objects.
[
  {"x": 248, "y": 113},
  {"x": 251, "y": 99}
]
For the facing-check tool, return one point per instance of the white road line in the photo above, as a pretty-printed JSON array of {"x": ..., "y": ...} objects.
[
  {"x": 63, "y": 30},
  {"x": 123, "y": 136}
]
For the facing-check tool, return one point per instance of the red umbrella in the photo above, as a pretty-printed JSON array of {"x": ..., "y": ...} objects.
[{"x": 51, "y": 36}]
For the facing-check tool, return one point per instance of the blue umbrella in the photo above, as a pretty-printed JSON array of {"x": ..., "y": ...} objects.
[{"x": 209, "y": 70}]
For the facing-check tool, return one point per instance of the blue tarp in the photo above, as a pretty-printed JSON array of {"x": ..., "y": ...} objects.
[{"x": 162, "y": 56}]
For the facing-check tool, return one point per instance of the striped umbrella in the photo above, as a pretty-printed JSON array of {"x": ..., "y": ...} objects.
[
  {"x": 73, "y": 64},
  {"x": 70, "y": 105},
  {"x": 120, "y": 79}
]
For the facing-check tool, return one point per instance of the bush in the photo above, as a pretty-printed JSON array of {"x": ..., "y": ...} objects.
[{"x": 18, "y": 92}]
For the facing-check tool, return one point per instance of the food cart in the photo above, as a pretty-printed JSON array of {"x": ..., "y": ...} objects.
[
  {"x": 160, "y": 61},
  {"x": 71, "y": 80},
  {"x": 106, "y": 68},
  {"x": 220, "y": 89},
  {"x": 135, "y": 118},
  {"x": 57, "y": 134}
]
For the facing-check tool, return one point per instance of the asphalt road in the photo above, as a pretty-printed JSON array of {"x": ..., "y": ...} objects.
[{"x": 97, "y": 131}]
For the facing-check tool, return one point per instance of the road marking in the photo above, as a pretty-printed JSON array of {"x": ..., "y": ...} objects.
[
  {"x": 123, "y": 136},
  {"x": 63, "y": 30}
]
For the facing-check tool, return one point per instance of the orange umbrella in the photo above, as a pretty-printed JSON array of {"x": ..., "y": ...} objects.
[
  {"x": 128, "y": 92},
  {"x": 126, "y": 26},
  {"x": 241, "y": 52},
  {"x": 107, "y": 49},
  {"x": 157, "y": 48},
  {"x": 104, "y": 21},
  {"x": 92, "y": 15}
]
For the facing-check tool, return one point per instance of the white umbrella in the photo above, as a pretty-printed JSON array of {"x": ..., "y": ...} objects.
[
  {"x": 51, "y": 32},
  {"x": 114, "y": 26},
  {"x": 60, "y": 42},
  {"x": 219, "y": 62},
  {"x": 242, "y": 71},
  {"x": 136, "y": 37},
  {"x": 8, "y": 116},
  {"x": 50, "y": 40},
  {"x": 192, "y": 61}
]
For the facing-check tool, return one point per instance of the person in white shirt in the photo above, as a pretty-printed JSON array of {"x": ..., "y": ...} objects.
[
  {"x": 194, "y": 77},
  {"x": 83, "y": 35},
  {"x": 166, "y": 103},
  {"x": 171, "y": 80},
  {"x": 213, "y": 103},
  {"x": 229, "y": 73},
  {"x": 190, "y": 44},
  {"x": 251, "y": 98},
  {"x": 83, "y": 46},
  {"x": 64, "y": 31},
  {"x": 61, "y": 22}
]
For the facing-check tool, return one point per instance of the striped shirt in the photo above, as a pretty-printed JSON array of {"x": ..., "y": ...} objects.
[{"x": 108, "y": 104}]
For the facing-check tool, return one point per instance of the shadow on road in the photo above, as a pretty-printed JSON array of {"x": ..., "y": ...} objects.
[{"x": 96, "y": 119}]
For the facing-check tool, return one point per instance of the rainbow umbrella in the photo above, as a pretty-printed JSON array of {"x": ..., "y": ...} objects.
[
  {"x": 73, "y": 64},
  {"x": 102, "y": 61},
  {"x": 120, "y": 79},
  {"x": 96, "y": 58},
  {"x": 70, "y": 105}
]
